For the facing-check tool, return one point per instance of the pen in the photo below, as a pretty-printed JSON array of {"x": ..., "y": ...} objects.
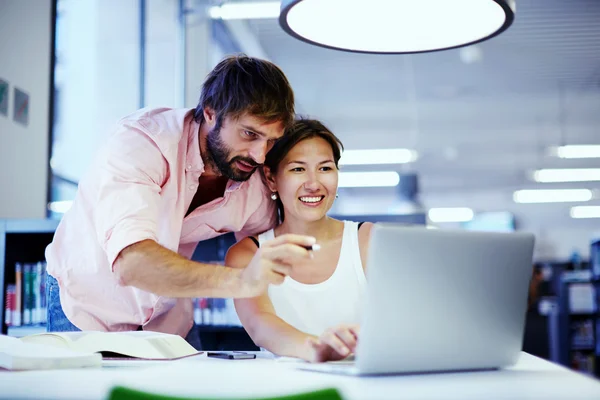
[{"x": 313, "y": 247}]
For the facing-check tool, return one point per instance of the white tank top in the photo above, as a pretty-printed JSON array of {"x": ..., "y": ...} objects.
[{"x": 312, "y": 308}]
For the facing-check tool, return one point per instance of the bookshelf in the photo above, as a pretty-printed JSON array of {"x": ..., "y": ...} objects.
[
  {"x": 564, "y": 325},
  {"x": 578, "y": 317},
  {"x": 578, "y": 290},
  {"x": 21, "y": 241}
]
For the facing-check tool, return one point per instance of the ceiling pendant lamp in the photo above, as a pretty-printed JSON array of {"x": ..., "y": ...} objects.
[{"x": 395, "y": 26}]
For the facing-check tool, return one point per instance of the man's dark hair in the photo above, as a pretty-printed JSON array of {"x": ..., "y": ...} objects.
[
  {"x": 301, "y": 129},
  {"x": 240, "y": 84}
]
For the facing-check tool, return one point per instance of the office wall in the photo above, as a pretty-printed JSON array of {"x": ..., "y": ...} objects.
[{"x": 25, "y": 52}]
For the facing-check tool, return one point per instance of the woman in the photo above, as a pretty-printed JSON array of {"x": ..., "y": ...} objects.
[{"x": 314, "y": 314}]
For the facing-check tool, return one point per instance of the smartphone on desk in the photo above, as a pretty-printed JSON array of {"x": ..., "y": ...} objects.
[{"x": 231, "y": 355}]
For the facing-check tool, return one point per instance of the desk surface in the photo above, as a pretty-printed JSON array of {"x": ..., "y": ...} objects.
[{"x": 531, "y": 378}]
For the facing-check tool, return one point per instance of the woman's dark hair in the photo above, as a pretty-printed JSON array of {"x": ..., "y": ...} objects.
[
  {"x": 241, "y": 84},
  {"x": 301, "y": 129}
]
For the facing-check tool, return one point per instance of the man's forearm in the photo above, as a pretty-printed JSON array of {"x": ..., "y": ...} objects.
[{"x": 153, "y": 268}]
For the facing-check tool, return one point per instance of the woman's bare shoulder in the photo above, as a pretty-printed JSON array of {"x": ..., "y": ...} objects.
[{"x": 240, "y": 254}]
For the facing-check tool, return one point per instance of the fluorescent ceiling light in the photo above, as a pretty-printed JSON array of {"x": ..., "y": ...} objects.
[
  {"x": 552, "y": 195},
  {"x": 395, "y": 26},
  {"x": 60, "y": 207},
  {"x": 585, "y": 212},
  {"x": 257, "y": 10},
  {"x": 368, "y": 179},
  {"x": 380, "y": 156},
  {"x": 450, "y": 214},
  {"x": 577, "y": 151},
  {"x": 567, "y": 175}
]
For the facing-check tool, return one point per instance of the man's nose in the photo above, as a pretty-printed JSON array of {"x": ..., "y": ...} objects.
[{"x": 258, "y": 152}]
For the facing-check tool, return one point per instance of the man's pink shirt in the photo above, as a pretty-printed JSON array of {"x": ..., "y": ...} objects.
[{"x": 140, "y": 187}]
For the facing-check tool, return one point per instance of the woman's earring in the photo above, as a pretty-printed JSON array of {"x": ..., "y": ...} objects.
[
  {"x": 337, "y": 195},
  {"x": 274, "y": 196}
]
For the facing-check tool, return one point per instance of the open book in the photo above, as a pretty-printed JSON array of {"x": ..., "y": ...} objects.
[
  {"x": 136, "y": 344},
  {"x": 17, "y": 355}
]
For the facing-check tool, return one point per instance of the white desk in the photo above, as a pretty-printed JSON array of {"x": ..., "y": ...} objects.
[{"x": 531, "y": 378}]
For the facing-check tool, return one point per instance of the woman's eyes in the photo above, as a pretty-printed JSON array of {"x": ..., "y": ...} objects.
[
  {"x": 300, "y": 169},
  {"x": 249, "y": 134}
]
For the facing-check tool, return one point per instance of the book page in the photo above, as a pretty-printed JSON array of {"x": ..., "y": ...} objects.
[
  {"x": 138, "y": 344},
  {"x": 173, "y": 346},
  {"x": 36, "y": 350},
  {"x": 55, "y": 339},
  {"x": 18, "y": 355}
]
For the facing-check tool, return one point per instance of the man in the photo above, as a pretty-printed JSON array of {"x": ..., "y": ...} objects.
[{"x": 165, "y": 180}]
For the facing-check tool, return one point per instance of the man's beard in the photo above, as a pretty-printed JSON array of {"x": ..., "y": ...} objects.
[{"x": 218, "y": 156}]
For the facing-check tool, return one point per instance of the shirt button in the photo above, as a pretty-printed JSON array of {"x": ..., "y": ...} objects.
[
  {"x": 189, "y": 167},
  {"x": 192, "y": 187}
]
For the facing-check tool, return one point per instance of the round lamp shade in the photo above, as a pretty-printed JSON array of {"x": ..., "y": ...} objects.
[{"x": 395, "y": 26}]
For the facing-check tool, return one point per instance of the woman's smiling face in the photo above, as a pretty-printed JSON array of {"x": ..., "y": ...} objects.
[{"x": 307, "y": 180}]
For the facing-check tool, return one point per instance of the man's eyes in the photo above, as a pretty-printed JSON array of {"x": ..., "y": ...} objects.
[{"x": 252, "y": 135}]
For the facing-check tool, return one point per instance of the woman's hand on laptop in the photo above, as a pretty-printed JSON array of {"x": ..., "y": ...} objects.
[{"x": 334, "y": 344}]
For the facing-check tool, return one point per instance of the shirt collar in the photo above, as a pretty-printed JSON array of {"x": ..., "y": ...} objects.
[
  {"x": 193, "y": 161},
  {"x": 232, "y": 186}
]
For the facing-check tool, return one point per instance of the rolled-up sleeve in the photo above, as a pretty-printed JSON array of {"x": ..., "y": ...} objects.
[{"x": 131, "y": 172}]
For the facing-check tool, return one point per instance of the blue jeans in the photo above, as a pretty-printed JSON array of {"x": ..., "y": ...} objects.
[{"x": 57, "y": 321}]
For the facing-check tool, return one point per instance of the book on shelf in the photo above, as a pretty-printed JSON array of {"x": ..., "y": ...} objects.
[
  {"x": 17, "y": 355},
  {"x": 144, "y": 345},
  {"x": 17, "y": 312},
  {"x": 25, "y": 299}
]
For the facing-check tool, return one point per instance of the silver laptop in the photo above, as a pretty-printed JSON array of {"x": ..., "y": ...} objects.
[{"x": 441, "y": 300}]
